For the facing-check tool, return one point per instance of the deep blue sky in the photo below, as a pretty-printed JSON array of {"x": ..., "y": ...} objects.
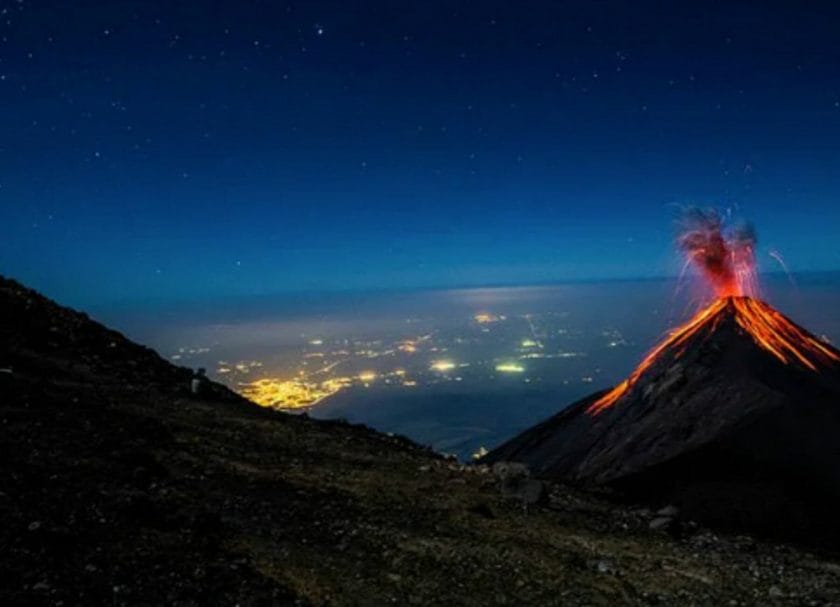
[{"x": 193, "y": 149}]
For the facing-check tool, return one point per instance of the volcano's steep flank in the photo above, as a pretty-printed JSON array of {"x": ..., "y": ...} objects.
[
  {"x": 119, "y": 488},
  {"x": 735, "y": 417}
]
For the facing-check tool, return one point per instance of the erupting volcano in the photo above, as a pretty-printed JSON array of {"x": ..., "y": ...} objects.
[
  {"x": 734, "y": 416},
  {"x": 726, "y": 259},
  {"x": 765, "y": 325}
]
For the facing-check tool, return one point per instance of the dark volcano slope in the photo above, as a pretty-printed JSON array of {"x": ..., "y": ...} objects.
[{"x": 719, "y": 427}]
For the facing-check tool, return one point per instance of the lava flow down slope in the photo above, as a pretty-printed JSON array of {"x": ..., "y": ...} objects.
[{"x": 734, "y": 416}]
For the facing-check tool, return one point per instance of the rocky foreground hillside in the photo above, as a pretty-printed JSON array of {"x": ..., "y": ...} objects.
[{"x": 117, "y": 487}]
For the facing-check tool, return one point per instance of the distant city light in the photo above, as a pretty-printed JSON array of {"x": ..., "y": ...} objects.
[
  {"x": 483, "y": 318},
  {"x": 443, "y": 365},
  {"x": 557, "y": 355},
  {"x": 367, "y": 376},
  {"x": 510, "y": 368},
  {"x": 530, "y": 343},
  {"x": 316, "y": 342}
]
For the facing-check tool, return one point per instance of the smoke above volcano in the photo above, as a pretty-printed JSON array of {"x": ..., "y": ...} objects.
[{"x": 724, "y": 254}]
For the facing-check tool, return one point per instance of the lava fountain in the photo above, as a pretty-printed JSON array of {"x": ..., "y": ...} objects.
[{"x": 725, "y": 257}]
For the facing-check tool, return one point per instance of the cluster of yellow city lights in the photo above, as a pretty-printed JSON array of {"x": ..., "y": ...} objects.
[
  {"x": 301, "y": 393},
  {"x": 292, "y": 393},
  {"x": 312, "y": 386}
]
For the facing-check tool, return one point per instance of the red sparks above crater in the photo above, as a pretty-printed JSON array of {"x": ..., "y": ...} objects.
[{"x": 724, "y": 255}]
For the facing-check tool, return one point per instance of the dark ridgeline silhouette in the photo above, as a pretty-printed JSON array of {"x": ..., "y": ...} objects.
[{"x": 717, "y": 425}]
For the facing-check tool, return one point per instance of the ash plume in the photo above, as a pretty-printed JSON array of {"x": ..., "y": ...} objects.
[{"x": 724, "y": 254}]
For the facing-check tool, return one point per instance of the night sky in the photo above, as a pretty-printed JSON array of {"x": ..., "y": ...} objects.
[{"x": 202, "y": 149}]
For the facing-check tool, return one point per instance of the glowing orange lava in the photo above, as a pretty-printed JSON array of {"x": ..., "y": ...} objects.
[
  {"x": 675, "y": 338},
  {"x": 767, "y": 327},
  {"x": 779, "y": 336}
]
